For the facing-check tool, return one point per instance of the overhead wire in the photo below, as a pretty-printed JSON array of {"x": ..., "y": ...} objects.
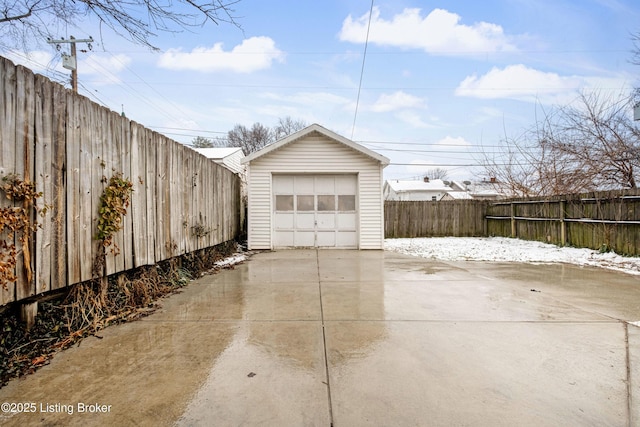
[{"x": 364, "y": 57}]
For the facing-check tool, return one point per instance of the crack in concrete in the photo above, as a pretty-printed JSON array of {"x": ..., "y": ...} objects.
[
  {"x": 324, "y": 343},
  {"x": 629, "y": 384}
]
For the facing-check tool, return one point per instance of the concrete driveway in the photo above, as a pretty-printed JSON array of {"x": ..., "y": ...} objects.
[{"x": 353, "y": 338}]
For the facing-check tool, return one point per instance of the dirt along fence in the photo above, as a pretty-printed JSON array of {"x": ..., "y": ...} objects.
[
  {"x": 60, "y": 152},
  {"x": 608, "y": 221}
]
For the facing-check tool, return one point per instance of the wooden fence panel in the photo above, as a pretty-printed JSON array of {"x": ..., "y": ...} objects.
[
  {"x": 176, "y": 201},
  {"x": 125, "y": 164},
  {"x": 603, "y": 220},
  {"x": 24, "y": 168},
  {"x": 429, "y": 219},
  {"x": 58, "y": 202},
  {"x": 151, "y": 186},
  {"x": 44, "y": 129},
  {"x": 8, "y": 152},
  {"x": 138, "y": 197},
  {"x": 70, "y": 147},
  {"x": 187, "y": 201},
  {"x": 73, "y": 190}
]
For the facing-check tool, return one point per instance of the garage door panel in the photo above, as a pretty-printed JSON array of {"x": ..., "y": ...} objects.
[
  {"x": 304, "y": 184},
  {"x": 346, "y": 221},
  {"x": 305, "y": 239},
  {"x": 326, "y": 221},
  {"x": 346, "y": 184},
  {"x": 284, "y": 221},
  {"x": 305, "y": 220},
  {"x": 327, "y": 239},
  {"x": 346, "y": 239},
  {"x": 325, "y": 184},
  {"x": 284, "y": 239},
  {"x": 282, "y": 184}
]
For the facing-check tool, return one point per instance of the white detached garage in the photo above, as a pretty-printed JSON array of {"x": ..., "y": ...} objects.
[{"x": 315, "y": 188}]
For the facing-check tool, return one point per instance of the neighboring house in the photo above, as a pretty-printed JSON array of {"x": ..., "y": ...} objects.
[
  {"x": 457, "y": 195},
  {"x": 315, "y": 188},
  {"x": 230, "y": 157},
  {"x": 490, "y": 189},
  {"x": 436, "y": 190},
  {"x": 426, "y": 189}
]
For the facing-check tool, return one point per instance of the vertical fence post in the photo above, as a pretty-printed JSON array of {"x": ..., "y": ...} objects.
[
  {"x": 563, "y": 224},
  {"x": 513, "y": 219}
]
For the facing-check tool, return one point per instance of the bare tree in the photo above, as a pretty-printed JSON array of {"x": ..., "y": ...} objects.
[
  {"x": 259, "y": 135},
  {"x": 286, "y": 126},
  {"x": 590, "y": 145},
  {"x": 599, "y": 137},
  {"x": 249, "y": 140},
  {"x": 26, "y": 20},
  {"x": 437, "y": 173}
]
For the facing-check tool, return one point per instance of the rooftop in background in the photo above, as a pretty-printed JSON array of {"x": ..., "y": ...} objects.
[
  {"x": 226, "y": 156},
  {"x": 438, "y": 189}
]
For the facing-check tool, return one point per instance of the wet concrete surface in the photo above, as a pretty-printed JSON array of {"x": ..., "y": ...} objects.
[{"x": 311, "y": 338}]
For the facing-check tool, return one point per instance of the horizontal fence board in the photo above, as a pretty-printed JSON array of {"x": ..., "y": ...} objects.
[{"x": 70, "y": 147}]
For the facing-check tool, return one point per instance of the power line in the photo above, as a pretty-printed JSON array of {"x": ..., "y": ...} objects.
[
  {"x": 364, "y": 57},
  {"x": 147, "y": 84},
  {"x": 191, "y": 130}
]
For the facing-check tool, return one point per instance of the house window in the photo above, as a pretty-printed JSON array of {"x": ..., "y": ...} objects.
[{"x": 434, "y": 198}]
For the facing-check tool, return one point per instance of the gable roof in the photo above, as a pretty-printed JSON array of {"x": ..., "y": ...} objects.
[{"x": 323, "y": 131}]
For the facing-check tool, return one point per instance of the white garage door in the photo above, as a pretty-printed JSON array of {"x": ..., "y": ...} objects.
[{"x": 315, "y": 211}]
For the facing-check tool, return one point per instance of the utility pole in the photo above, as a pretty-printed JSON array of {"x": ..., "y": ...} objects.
[{"x": 70, "y": 62}]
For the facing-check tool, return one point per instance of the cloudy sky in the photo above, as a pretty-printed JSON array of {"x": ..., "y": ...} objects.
[{"x": 442, "y": 82}]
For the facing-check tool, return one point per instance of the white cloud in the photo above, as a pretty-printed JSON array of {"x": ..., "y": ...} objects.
[
  {"x": 396, "y": 101},
  {"x": 253, "y": 54},
  {"x": 36, "y": 60},
  {"x": 516, "y": 82},
  {"x": 527, "y": 84},
  {"x": 439, "y": 32}
]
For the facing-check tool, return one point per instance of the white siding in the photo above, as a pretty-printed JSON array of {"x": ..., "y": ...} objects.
[
  {"x": 316, "y": 153},
  {"x": 232, "y": 161}
]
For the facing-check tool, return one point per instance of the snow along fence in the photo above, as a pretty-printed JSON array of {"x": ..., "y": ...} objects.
[
  {"x": 607, "y": 221},
  {"x": 69, "y": 148}
]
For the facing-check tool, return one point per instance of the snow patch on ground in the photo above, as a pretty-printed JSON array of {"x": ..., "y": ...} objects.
[
  {"x": 232, "y": 260},
  {"x": 502, "y": 249}
]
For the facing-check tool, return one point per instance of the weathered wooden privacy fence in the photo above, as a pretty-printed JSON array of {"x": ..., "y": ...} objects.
[
  {"x": 603, "y": 220},
  {"x": 70, "y": 147},
  {"x": 460, "y": 218}
]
